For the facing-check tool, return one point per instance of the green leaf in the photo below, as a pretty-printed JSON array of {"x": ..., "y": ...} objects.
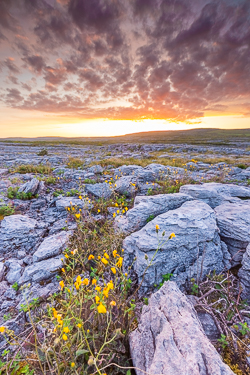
[{"x": 81, "y": 352}]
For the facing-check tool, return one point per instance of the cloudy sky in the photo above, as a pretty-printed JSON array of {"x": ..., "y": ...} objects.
[{"x": 106, "y": 67}]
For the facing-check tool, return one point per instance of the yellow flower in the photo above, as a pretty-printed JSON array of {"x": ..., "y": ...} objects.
[
  {"x": 119, "y": 263},
  {"x": 114, "y": 253},
  {"x": 79, "y": 325},
  {"x": 116, "y": 205},
  {"x": 106, "y": 292},
  {"x": 94, "y": 281},
  {"x": 2, "y": 329},
  {"x": 104, "y": 261},
  {"x": 85, "y": 282},
  {"x": 126, "y": 208},
  {"x": 80, "y": 197},
  {"x": 65, "y": 337},
  {"x": 171, "y": 236},
  {"x": 97, "y": 299},
  {"x": 112, "y": 303},
  {"x": 106, "y": 255},
  {"x": 77, "y": 216},
  {"x": 72, "y": 364},
  {"x": 114, "y": 215},
  {"x": 99, "y": 257},
  {"x": 66, "y": 256},
  {"x": 126, "y": 274},
  {"x": 54, "y": 313},
  {"x": 91, "y": 257},
  {"x": 110, "y": 285},
  {"x": 98, "y": 210},
  {"x": 101, "y": 309},
  {"x": 157, "y": 227},
  {"x": 61, "y": 284},
  {"x": 63, "y": 270},
  {"x": 66, "y": 329},
  {"x": 118, "y": 211},
  {"x": 98, "y": 288},
  {"x": 113, "y": 270}
]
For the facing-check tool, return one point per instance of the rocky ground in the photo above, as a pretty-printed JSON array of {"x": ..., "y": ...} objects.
[{"x": 199, "y": 193}]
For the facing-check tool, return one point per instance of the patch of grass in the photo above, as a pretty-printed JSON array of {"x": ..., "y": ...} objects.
[
  {"x": 7, "y": 210},
  {"x": 75, "y": 163},
  {"x": 89, "y": 181},
  {"x": 242, "y": 166},
  {"x": 43, "y": 152},
  {"x": 13, "y": 193},
  {"x": 30, "y": 168},
  {"x": 50, "y": 180}
]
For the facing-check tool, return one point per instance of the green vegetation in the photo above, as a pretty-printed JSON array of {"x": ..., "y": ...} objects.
[
  {"x": 7, "y": 210},
  {"x": 43, "y": 152},
  {"x": 15, "y": 286},
  {"x": 75, "y": 163},
  {"x": 30, "y": 168},
  {"x": 13, "y": 193}
]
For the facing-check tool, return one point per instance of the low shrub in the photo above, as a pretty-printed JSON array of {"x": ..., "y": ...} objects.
[
  {"x": 13, "y": 193},
  {"x": 30, "y": 168}
]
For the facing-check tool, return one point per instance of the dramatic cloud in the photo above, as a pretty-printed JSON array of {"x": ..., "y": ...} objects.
[{"x": 123, "y": 59}]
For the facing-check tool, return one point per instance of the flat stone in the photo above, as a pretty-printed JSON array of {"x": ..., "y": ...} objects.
[
  {"x": 40, "y": 271},
  {"x": 148, "y": 207},
  {"x": 52, "y": 246},
  {"x": 170, "y": 339},
  {"x": 215, "y": 194},
  {"x": 63, "y": 203},
  {"x": 100, "y": 190}
]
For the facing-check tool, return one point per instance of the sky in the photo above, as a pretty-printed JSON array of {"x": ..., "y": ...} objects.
[{"x": 111, "y": 67}]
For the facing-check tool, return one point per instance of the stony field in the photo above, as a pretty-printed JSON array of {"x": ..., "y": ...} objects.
[{"x": 124, "y": 258}]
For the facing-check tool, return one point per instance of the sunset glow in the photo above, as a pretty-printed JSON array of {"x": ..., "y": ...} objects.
[{"x": 102, "y": 68}]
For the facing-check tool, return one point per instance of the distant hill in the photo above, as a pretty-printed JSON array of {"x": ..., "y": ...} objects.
[{"x": 194, "y": 136}]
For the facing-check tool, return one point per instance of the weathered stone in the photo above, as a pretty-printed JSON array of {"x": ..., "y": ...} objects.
[
  {"x": 147, "y": 208},
  {"x": 215, "y": 194},
  {"x": 95, "y": 169},
  {"x": 244, "y": 274},
  {"x": 14, "y": 272},
  {"x": 126, "y": 185},
  {"x": 170, "y": 340},
  {"x": 100, "y": 190},
  {"x": 234, "y": 223},
  {"x": 196, "y": 246},
  {"x": 2, "y": 267},
  {"x": 41, "y": 270},
  {"x": 52, "y": 246},
  {"x": 209, "y": 325},
  {"x": 3, "y": 171},
  {"x": 19, "y": 232},
  {"x": 63, "y": 203},
  {"x": 128, "y": 170},
  {"x": 30, "y": 187}
]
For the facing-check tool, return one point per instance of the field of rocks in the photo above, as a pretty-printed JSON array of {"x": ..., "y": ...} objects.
[{"x": 124, "y": 258}]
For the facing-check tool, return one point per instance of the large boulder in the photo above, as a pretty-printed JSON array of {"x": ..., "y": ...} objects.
[
  {"x": 65, "y": 202},
  {"x": 126, "y": 185},
  {"x": 170, "y": 339},
  {"x": 147, "y": 208},
  {"x": 19, "y": 232},
  {"x": 234, "y": 223},
  {"x": 195, "y": 250},
  {"x": 215, "y": 194}
]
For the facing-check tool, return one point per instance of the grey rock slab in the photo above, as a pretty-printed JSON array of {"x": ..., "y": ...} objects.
[
  {"x": 14, "y": 273},
  {"x": 52, "y": 246},
  {"x": 124, "y": 186},
  {"x": 170, "y": 339},
  {"x": 99, "y": 190},
  {"x": 215, "y": 194},
  {"x": 244, "y": 274},
  {"x": 209, "y": 325},
  {"x": 2, "y": 267},
  {"x": 20, "y": 233},
  {"x": 234, "y": 223},
  {"x": 63, "y": 203},
  {"x": 196, "y": 247},
  {"x": 128, "y": 170},
  {"x": 148, "y": 207},
  {"x": 95, "y": 169},
  {"x": 41, "y": 270},
  {"x": 30, "y": 187}
]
